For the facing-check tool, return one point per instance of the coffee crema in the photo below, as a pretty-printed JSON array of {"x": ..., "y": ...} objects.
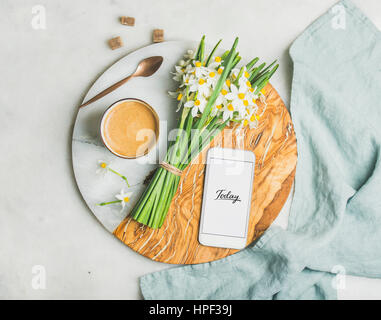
[{"x": 130, "y": 128}]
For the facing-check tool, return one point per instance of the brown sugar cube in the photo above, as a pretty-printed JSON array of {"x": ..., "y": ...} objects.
[
  {"x": 158, "y": 35},
  {"x": 115, "y": 43},
  {"x": 128, "y": 21}
]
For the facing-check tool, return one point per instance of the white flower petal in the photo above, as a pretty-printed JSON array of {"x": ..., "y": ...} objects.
[
  {"x": 230, "y": 96},
  {"x": 233, "y": 88},
  {"x": 189, "y": 104},
  {"x": 194, "y": 111}
]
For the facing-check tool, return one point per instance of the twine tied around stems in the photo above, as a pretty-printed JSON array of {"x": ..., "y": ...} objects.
[{"x": 171, "y": 168}]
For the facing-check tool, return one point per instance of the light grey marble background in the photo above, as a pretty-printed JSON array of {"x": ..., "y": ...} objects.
[{"x": 44, "y": 77}]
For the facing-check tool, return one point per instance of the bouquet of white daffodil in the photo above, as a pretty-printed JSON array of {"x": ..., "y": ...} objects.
[{"x": 212, "y": 93}]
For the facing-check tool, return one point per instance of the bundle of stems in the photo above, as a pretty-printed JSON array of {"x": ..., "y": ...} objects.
[{"x": 194, "y": 134}]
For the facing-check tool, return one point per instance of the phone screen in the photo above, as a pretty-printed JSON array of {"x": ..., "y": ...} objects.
[{"x": 227, "y": 197}]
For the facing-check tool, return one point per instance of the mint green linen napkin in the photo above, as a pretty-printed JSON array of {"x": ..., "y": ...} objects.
[{"x": 335, "y": 219}]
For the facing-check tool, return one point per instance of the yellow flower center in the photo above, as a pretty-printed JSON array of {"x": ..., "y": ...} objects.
[
  {"x": 219, "y": 106},
  {"x": 103, "y": 165},
  {"x": 187, "y": 81},
  {"x": 217, "y": 59},
  {"x": 228, "y": 83},
  {"x": 263, "y": 91},
  {"x": 241, "y": 95},
  {"x": 212, "y": 74},
  {"x": 201, "y": 81},
  {"x": 247, "y": 110},
  {"x": 247, "y": 74},
  {"x": 248, "y": 83},
  {"x": 220, "y": 70},
  {"x": 224, "y": 92},
  {"x": 245, "y": 103},
  {"x": 179, "y": 96},
  {"x": 230, "y": 107},
  {"x": 126, "y": 199},
  {"x": 251, "y": 89},
  {"x": 257, "y": 117},
  {"x": 197, "y": 102},
  {"x": 245, "y": 122},
  {"x": 254, "y": 100},
  {"x": 252, "y": 118},
  {"x": 198, "y": 64}
]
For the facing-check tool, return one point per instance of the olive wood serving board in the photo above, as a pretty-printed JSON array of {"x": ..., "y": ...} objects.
[{"x": 274, "y": 145}]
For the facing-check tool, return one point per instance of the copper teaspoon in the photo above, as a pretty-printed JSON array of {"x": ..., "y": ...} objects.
[{"x": 146, "y": 68}]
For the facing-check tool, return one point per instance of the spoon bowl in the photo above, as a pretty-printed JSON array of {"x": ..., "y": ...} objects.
[{"x": 148, "y": 67}]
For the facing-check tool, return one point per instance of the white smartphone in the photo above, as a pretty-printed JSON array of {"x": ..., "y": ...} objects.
[{"x": 226, "y": 199}]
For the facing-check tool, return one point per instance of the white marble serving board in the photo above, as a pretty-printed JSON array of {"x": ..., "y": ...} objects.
[{"x": 87, "y": 147}]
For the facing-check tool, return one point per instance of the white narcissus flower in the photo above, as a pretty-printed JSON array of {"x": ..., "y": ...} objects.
[
  {"x": 212, "y": 78},
  {"x": 178, "y": 75},
  {"x": 124, "y": 198},
  {"x": 251, "y": 120},
  {"x": 189, "y": 54},
  {"x": 201, "y": 86},
  {"x": 102, "y": 167},
  {"x": 215, "y": 62},
  {"x": 187, "y": 79},
  {"x": 180, "y": 97},
  {"x": 228, "y": 112},
  {"x": 198, "y": 70},
  {"x": 245, "y": 83},
  {"x": 238, "y": 98},
  {"x": 221, "y": 102},
  {"x": 183, "y": 63},
  {"x": 196, "y": 105},
  {"x": 234, "y": 73}
]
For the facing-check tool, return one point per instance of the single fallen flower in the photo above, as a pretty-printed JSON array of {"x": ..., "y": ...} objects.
[
  {"x": 104, "y": 167},
  {"x": 123, "y": 199}
]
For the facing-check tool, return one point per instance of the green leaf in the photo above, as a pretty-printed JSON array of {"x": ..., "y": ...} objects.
[
  {"x": 255, "y": 72},
  {"x": 269, "y": 66},
  {"x": 199, "y": 49},
  {"x": 262, "y": 84},
  {"x": 212, "y": 53},
  {"x": 264, "y": 71},
  {"x": 239, "y": 75},
  {"x": 225, "y": 54},
  {"x": 273, "y": 71},
  {"x": 251, "y": 64}
]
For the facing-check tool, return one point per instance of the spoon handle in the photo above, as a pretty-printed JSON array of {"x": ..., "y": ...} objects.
[{"x": 107, "y": 91}]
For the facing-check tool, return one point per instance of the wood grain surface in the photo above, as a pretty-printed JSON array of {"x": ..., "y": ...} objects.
[{"x": 274, "y": 145}]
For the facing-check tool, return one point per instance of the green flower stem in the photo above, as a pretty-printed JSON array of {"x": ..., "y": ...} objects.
[
  {"x": 255, "y": 72},
  {"x": 266, "y": 69},
  {"x": 120, "y": 175},
  {"x": 138, "y": 210},
  {"x": 251, "y": 64},
  {"x": 212, "y": 53},
  {"x": 110, "y": 202},
  {"x": 213, "y": 132}
]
